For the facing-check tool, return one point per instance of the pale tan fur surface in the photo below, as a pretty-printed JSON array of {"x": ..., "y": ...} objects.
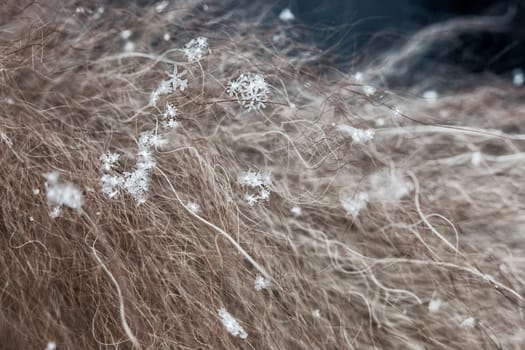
[{"x": 411, "y": 239}]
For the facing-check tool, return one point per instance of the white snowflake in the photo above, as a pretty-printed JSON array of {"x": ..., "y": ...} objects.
[
  {"x": 261, "y": 182},
  {"x": 195, "y": 49},
  {"x": 174, "y": 82},
  {"x": 250, "y": 90}
]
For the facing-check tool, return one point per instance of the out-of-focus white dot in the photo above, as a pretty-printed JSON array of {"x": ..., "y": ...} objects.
[
  {"x": 129, "y": 46},
  {"x": 380, "y": 122},
  {"x": 431, "y": 96},
  {"x": 193, "y": 206},
  {"x": 296, "y": 211},
  {"x": 468, "y": 322},
  {"x": 166, "y": 36},
  {"x": 476, "y": 158},
  {"x": 126, "y": 34},
  {"x": 161, "y": 6},
  {"x": 286, "y": 15},
  {"x": 518, "y": 78},
  {"x": 369, "y": 90},
  {"x": 434, "y": 305}
]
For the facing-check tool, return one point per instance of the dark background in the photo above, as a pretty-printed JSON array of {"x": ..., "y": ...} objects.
[{"x": 349, "y": 26}]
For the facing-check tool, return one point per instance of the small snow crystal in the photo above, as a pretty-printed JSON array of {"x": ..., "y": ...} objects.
[
  {"x": 51, "y": 345},
  {"x": 4, "y": 138},
  {"x": 358, "y": 135},
  {"x": 434, "y": 305},
  {"x": 468, "y": 322},
  {"x": 193, "y": 206},
  {"x": 296, "y": 211},
  {"x": 353, "y": 205},
  {"x": 389, "y": 186},
  {"x": 476, "y": 158},
  {"x": 231, "y": 324},
  {"x": 261, "y": 282}
]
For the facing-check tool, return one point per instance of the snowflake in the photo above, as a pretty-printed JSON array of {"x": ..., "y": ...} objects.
[
  {"x": 250, "y": 90},
  {"x": 195, "y": 49},
  {"x": 257, "y": 181},
  {"x": 174, "y": 82}
]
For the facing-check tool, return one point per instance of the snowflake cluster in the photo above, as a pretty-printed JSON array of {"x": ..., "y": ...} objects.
[
  {"x": 195, "y": 49},
  {"x": 230, "y": 323},
  {"x": 250, "y": 90},
  {"x": 136, "y": 182},
  {"x": 255, "y": 180},
  {"x": 61, "y": 194},
  {"x": 108, "y": 160},
  {"x": 353, "y": 205},
  {"x": 357, "y": 135}
]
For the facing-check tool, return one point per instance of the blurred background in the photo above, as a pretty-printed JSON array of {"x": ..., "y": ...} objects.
[{"x": 349, "y": 26}]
